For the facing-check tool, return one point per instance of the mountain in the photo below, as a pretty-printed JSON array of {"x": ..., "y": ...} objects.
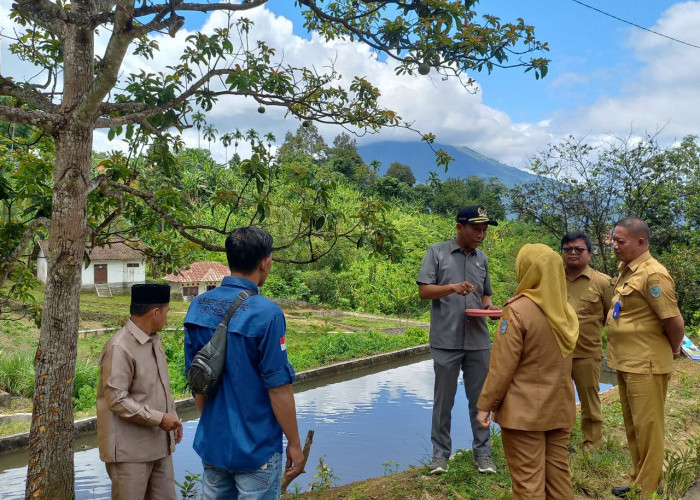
[{"x": 421, "y": 159}]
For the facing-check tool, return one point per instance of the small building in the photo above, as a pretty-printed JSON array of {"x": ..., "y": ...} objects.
[
  {"x": 197, "y": 278},
  {"x": 118, "y": 265}
]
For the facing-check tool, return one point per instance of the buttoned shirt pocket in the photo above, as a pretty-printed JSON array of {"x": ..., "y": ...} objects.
[
  {"x": 626, "y": 292},
  {"x": 590, "y": 302}
]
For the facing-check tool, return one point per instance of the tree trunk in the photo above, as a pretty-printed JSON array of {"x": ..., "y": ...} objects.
[{"x": 50, "y": 473}]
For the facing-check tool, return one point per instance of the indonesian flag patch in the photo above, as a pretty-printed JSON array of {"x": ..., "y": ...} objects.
[{"x": 283, "y": 345}]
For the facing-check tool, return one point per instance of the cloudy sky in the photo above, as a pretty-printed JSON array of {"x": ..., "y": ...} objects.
[{"x": 606, "y": 77}]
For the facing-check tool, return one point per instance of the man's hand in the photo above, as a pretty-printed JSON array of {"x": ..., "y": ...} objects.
[
  {"x": 463, "y": 288},
  {"x": 172, "y": 423},
  {"x": 484, "y": 418},
  {"x": 178, "y": 435},
  {"x": 295, "y": 457}
]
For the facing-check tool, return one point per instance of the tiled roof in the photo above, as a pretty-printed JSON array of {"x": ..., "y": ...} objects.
[
  {"x": 117, "y": 251},
  {"x": 114, "y": 251},
  {"x": 210, "y": 272}
]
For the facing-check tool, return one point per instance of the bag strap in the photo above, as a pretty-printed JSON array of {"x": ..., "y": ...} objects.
[
  {"x": 220, "y": 337},
  {"x": 242, "y": 295}
]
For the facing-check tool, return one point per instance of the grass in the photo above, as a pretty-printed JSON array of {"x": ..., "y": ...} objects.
[
  {"x": 17, "y": 373},
  {"x": 308, "y": 351},
  {"x": 311, "y": 345},
  {"x": 310, "y": 342}
]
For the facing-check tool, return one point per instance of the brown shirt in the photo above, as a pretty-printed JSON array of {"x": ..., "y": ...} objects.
[
  {"x": 636, "y": 339},
  {"x": 590, "y": 294},
  {"x": 529, "y": 384},
  {"x": 133, "y": 394}
]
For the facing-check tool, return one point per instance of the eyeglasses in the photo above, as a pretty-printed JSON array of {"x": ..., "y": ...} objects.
[{"x": 576, "y": 250}]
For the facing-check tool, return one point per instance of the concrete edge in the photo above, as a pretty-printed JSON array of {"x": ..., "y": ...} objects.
[{"x": 89, "y": 424}]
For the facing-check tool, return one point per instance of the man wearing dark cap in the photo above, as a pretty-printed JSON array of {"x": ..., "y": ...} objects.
[
  {"x": 137, "y": 426},
  {"x": 455, "y": 276}
]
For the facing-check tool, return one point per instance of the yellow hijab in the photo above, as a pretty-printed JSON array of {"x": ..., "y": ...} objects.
[{"x": 540, "y": 274}]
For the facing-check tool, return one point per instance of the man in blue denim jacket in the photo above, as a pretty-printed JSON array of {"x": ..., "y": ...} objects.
[{"x": 239, "y": 436}]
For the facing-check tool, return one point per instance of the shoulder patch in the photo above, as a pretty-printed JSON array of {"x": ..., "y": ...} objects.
[
  {"x": 504, "y": 326},
  {"x": 655, "y": 291}
]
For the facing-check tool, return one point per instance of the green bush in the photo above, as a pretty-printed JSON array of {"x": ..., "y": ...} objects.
[
  {"x": 173, "y": 345},
  {"x": 87, "y": 377},
  {"x": 17, "y": 373},
  {"x": 86, "y": 398}
]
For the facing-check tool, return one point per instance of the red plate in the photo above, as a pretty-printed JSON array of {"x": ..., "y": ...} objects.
[{"x": 489, "y": 313}]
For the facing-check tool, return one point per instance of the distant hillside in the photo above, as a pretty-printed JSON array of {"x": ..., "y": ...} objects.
[{"x": 421, "y": 159}]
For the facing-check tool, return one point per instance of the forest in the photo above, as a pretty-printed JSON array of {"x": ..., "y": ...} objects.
[{"x": 349, "y": 238}]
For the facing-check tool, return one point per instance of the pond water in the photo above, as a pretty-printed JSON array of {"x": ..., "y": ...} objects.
[{"x": 367, "y": 423}]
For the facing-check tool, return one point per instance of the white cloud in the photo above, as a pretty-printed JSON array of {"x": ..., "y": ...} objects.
[{"x": 661, "y": 95}]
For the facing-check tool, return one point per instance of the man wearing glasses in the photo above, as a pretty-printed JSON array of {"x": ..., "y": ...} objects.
[{"x": 590, "y": 294}]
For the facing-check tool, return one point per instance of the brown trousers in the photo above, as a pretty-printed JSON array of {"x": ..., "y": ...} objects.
[
  {"x": 643, "y": 397},
  {"x": 538, "y": 463},
  {"x": 586, "y": 374},
  {"x": 143, "y": 480}
]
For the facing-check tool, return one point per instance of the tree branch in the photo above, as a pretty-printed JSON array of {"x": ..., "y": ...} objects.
[
  {"x": 46, "y": 14},
  {"x": 178, "y": 5},
  {"x": 26, "y": 95},
  {"x": 44, "y": 121}
]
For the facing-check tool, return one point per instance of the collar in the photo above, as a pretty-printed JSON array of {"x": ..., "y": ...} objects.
[
  {"x": 236, "y": 282},
  {"x": 632, "y": 266},
  {"x": 454, "y": 247},
  {"x": 140, "y": 336},
  {"x": 587, "y": 271}
]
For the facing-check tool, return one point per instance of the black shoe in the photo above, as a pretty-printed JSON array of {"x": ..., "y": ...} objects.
[{"x": 621, "y": 491}]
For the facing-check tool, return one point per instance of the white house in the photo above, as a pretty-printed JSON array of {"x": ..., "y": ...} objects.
[
  {"x": 198, "y": 278},
  {"x": 118, "y": 265}
]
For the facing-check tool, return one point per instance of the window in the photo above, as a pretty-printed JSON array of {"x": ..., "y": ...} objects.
[
  {"x": 210, "y": 287},
  {"x": 132, "y": 264},
  {"x": 190, "y": 291}
]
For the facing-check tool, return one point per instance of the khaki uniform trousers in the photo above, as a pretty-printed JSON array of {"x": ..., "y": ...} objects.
[
  {"x": 586, "y": 374},
  {"x": 643, "y": 397},
  {"x": 538, "y": 463},
  {"x": 143, "y": 480}
]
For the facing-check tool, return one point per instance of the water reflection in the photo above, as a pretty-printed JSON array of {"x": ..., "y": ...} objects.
[{"x": 365, "y": 426}]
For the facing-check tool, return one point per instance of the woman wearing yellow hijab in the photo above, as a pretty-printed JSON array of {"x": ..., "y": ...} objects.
[{"x": 529, "y": 386}]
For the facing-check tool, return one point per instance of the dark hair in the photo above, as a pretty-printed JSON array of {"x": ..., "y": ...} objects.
[
  {"x": 141, "y": 309},
  {"x": 636, "y": 226},
  {"x": 568, "y": 237},
  {"x": 246, "y": 247}
]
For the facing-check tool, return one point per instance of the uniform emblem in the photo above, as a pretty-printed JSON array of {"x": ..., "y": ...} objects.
[
  {"x": 655, "y": 291},
  {"x": 283, "y": 344},
  {"x": 504, "y": 326},
  {"x": 481, "y": 211}
]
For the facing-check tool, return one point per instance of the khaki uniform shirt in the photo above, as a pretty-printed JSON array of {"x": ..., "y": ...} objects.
[
  {"x": 529, "y": 385},
  {"x": 590, "y": 295},
  {"x": 133, "y": 394},
  {"x": 636, "y": 339}
]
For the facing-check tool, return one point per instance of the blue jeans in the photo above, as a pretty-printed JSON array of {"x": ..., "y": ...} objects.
[{"x": 262, "y": 484}]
